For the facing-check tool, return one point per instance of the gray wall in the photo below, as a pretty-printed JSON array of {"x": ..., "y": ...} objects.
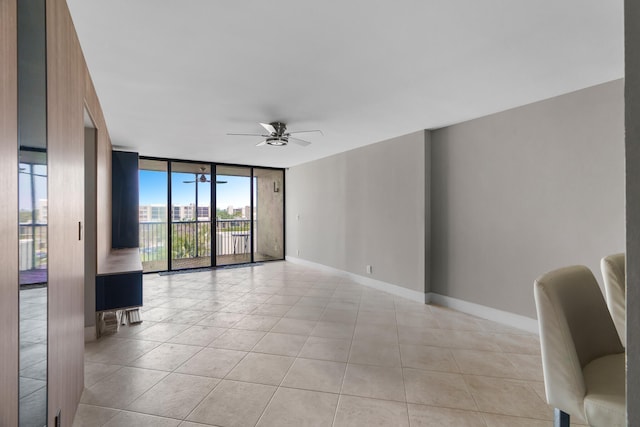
[
  {"x": 632, "y": 127},
  {"x": 90, "y": 224},
  {"x": 363, "y": 207},
  {"x": 269, "y": 209},
  {"x": 525, "y": 191}
]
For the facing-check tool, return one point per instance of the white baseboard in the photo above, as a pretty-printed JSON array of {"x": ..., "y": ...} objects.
[
  {"x": 504, "y": 317},
  {"x": 366, "y": 281},
  {"x": 90, "y": 333}
]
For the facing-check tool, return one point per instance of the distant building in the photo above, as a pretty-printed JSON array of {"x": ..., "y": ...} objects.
[
  {"x": 246, "y": 212},
  {"x": 243, "y": 212},
  {"x": 158, "y": 213},
  {"x": 42, "y": 211},
  {"x": 152, "y": 213},
  {"x": 183, "y": 212},
  {"x": 203, "y": 213}
]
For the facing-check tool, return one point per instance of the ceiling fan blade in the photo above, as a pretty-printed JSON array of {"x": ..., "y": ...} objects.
[
  {"x": 221, "y": 182},
  {"x": 261, "y": 143},
  {"x": 247, "y": 134},
  {"x": 188, "y": 182},
  {"x": 268, "y": 127},
  {"x": 299, "y": 141},
  {"x": 306, "y": 131}
]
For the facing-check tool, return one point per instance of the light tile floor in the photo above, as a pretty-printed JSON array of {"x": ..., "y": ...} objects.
[{"x": 284, "y": 345}]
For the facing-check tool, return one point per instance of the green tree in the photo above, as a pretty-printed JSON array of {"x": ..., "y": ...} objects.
[
  {"x": 222, "y": 214},
  {"x": 25, "y": 216}
]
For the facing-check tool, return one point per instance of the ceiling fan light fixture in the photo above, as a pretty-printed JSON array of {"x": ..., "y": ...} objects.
[{"x": 278, "y": 141}]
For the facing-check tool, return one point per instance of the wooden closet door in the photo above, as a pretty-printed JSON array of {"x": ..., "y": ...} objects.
[{"x": 65, "y": 134}]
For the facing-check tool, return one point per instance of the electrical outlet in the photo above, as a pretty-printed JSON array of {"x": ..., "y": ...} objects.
[{"x": 369, "y": 269}]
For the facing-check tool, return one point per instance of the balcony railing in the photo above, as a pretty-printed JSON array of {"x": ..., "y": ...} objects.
[
  {"x": 192, "y": 239},
  {"x": 33, "y": 246}
]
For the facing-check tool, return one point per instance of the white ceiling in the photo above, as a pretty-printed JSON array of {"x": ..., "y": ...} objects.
[{"x": 174, "y": 77}]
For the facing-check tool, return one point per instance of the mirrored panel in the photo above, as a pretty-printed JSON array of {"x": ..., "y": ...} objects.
[{"x": 32, "y": 205}]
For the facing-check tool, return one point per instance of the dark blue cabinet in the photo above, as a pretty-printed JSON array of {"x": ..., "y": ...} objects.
[
  {"x": 124, "y": 193},
  {"x": 118, "y": 291}
]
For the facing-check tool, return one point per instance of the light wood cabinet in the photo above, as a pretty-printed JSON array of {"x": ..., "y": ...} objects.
[{"x": 69, "y": 92}]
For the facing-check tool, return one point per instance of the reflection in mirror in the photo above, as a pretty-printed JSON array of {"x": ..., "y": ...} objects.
[
  {"x": 33, "y": 286},
  {"x": 32, "y": 205}
]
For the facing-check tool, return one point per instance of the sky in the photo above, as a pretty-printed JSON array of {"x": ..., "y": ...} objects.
[
  {"x": 153, "y": 190},
  {"x": 24, "y": 185}
]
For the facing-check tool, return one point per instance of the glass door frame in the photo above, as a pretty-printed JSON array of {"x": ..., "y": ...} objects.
[
  {"x": 212, "y": 207},
  {"x": 151, "y": 233},
  {"x": 251, "y": 211},
  {"x": 212, "y": 195}
]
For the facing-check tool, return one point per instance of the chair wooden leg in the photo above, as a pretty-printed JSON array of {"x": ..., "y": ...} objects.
[{"x": 560, "y": 418}]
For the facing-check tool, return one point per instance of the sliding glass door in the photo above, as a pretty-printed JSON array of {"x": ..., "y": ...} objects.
[
  {"x": 233, "y": 215},
  {"x": 153, "y": 216},
  {"x": 190, "y": 215},
  {"x": 178, "y": 227}
]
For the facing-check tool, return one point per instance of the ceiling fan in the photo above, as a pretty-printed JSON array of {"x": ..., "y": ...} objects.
[
  {"x": 278, "y": 135},
  {"x": 203, "y": 178}
]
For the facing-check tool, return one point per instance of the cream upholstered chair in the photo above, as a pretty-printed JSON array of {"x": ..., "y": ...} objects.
[
  {"x": 613, "y": 272},
  {"x": 583, "y": 359}
]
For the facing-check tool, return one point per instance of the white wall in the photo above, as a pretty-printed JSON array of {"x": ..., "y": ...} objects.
[
  {"x": 363, "y": 207},
  {"x": 525, "y": 191}
]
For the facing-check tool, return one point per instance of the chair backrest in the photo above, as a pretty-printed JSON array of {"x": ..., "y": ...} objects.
[
  {"x": 613, "y": 273},
  {"x": 575, "y": 328}
]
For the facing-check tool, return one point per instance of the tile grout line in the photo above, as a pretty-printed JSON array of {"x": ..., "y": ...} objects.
[
  {"x": 346, "y": 367},
  {"x": 404, "y": 384},
  {"x": 283, "y": 378}
]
